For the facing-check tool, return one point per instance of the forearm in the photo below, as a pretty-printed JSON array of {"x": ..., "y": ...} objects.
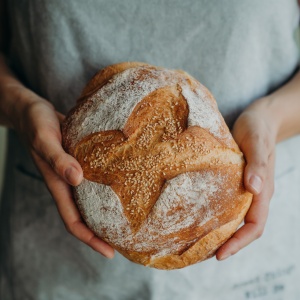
[
  {"x": 282, "y": 109},
  {"x": 286, "y": 103},
  {"x": 14, "y": 96}
]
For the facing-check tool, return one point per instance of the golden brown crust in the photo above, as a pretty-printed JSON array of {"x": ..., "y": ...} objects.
[
  {"x": 155, "y": 146},
  {"x": 205, "y": 247}
]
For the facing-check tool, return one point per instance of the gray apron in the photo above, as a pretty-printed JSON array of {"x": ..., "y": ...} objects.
[{"x": 240, "y": 50}]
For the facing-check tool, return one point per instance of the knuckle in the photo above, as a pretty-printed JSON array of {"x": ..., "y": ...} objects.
[
  {"x": 259, "y": 232},
  {"x": 238, "y": 246},
  {"x": 56, "y": 162},
  {"x": 255, "y": 136},
  {"x": 69, "y": 228},
  {"x": 91, "y": 240},
  {"x": 52, "y": 160},
  {"x": 262, "y": 164},
  {"x": 36, "y": 139},
  {"x": 266, "y": 142}
]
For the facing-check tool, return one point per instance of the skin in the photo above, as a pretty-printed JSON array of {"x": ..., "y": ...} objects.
[{"x": 264, "y": 123}]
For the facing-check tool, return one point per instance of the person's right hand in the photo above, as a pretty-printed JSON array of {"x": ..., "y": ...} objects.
[{"x": 38, "y": 124}]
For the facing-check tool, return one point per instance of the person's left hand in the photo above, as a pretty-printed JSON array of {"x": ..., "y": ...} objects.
[{"x": 255, "y": 132}]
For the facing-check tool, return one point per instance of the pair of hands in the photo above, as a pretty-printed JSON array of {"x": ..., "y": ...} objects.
[{"x": 254, "y": 131}]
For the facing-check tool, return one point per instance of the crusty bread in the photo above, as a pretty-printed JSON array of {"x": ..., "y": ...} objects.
[{"x": 163, "y": 177}]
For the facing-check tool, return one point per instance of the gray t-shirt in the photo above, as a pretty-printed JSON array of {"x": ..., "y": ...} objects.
[{"x": 240, "y": 50}]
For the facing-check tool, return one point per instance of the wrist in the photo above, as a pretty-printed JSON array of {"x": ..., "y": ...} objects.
[
  {"x": 284, "y": 106},
  {"x": 281, "y": 111},
  {"x": 17, "y": 100},
  {"x": 270, "y": 114},
  {"x": 13, "y": 103}
]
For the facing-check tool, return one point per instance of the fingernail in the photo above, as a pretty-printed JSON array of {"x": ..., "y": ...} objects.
[
  {"x": 109, "y": 255},
  {"x": 224, "y": 256},
  {"x": 105, "y": 253},
  {"x": 70, "y": 175},
  {"x": 256, "y": 183}
]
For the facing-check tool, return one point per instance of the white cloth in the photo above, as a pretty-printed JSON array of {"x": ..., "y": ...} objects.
[{"x": 240, "y": 50}]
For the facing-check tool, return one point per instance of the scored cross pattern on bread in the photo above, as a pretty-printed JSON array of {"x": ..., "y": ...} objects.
[
  {"x": 154, "y": 146},
  {"x": 163, "y": 177}
]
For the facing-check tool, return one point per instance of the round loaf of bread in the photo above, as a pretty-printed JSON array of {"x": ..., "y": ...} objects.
[{"x": 163, "y": 177}]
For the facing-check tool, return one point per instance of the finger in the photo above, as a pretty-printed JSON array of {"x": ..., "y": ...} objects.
[
  {"x": 255, "y": 219},
  {"x": 252, "y": 230},
  {"x": 48, "y": 146},
  {"x": 66, "y": 166},
  {"x": 81, "y": 232},
  {"x": 257, "y": 153},
  {"x": 68, "y": 211},
  {"x": 45, "y": 139},
  {"x": 60, "y": 116}
]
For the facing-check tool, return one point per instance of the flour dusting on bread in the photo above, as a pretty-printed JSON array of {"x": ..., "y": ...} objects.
[
  {"x": 206, "y": 189},
  {"x": 110, "y": 107}
]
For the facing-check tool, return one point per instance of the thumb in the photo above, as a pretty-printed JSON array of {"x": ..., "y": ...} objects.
[
  {"x": 66, "y": 166},
  {"x": 257, "y": 156}
]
